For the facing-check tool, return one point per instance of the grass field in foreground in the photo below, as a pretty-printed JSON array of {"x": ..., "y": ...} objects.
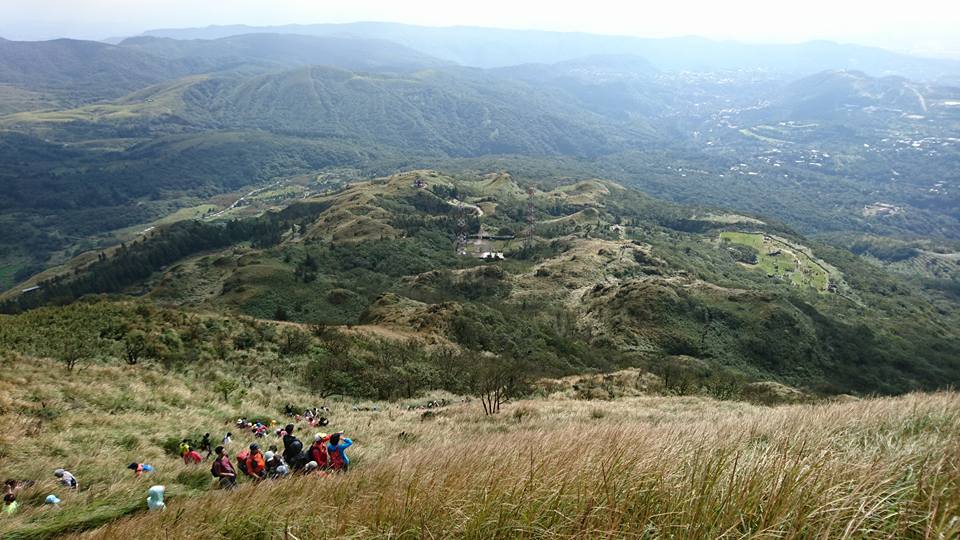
[{"x": 655, "y": 467}]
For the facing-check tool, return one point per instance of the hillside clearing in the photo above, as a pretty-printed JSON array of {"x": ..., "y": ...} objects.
[{"x": 781, "y": 260}]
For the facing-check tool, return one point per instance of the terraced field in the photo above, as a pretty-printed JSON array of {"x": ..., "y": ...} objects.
[{"x": 929, "y": 264}]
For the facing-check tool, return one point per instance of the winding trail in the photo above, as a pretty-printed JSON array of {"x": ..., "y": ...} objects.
[
  {"x": 240, "y": 200},
  {"x": 477, "y": 209}
]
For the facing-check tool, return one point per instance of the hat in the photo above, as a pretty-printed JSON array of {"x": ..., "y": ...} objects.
[
  {"x": 254, "y": 446},
  {"x": 268, "y": 456},
  {"x": 319, "y": 437},
  {"x": 59, "y": 472},
  {"x": 52, "y": 499}
]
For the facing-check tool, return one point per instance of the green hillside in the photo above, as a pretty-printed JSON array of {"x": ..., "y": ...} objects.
[{"x": 610, "y": 279}]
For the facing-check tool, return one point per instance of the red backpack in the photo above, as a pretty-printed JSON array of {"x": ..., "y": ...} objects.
[{"x": 242, "y": 461}]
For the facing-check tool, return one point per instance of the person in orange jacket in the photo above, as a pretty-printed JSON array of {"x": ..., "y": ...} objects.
[{"x": 256, "y": 465}]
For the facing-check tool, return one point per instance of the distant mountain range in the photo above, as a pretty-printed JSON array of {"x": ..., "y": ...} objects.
[
  {"x": 491, "y": 47},
  {"x": 82, "y": 71},
  {"x": 286, "y": 50},
  {"x": 97, "y": 137}
]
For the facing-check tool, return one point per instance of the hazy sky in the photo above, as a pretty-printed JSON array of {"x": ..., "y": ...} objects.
[{"x": 921, "y": 26}]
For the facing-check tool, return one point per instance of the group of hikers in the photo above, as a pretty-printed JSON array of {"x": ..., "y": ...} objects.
[{"x": 325, "y": 456}]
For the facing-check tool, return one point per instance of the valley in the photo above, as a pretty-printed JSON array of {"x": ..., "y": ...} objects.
[{"x": 547, "y": 284}]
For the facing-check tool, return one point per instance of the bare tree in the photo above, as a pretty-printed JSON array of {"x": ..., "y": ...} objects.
[{"x": 495, "y": 380}]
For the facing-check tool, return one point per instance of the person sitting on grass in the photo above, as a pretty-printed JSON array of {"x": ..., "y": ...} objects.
[
  {"x": 223, "y": 470},
  {"x": 10, "y": 504},
  {"x": 318, "y": 451},
  {"x": 227, "y": 439},
  {"x": 256, "y": 466},
  {"x": 311, "y": 468},
  {"x": 66, "y": 478},
  {"x": 292, "y": 448},
  {"x": 336, "y": 449},
  {"x": 276, "y": 468},
  {"x": 242, "y": 458},
  {"x": 140, "y": 468}
]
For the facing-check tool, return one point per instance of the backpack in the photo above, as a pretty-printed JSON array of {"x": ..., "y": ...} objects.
[
  {"x": 242, "y": 461},
  {"x": 300, "y": 460},
  {"x": 213, "y": 470},
  {"x": 292, "y": 447}
]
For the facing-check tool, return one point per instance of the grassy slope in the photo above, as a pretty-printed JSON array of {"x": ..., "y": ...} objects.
[
  {"x": 653, "y": 291},
  {"x": 632, "y": 467}
]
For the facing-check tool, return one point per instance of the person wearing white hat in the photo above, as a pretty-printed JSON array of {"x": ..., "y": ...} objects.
[{"x": 276, "y": 468}]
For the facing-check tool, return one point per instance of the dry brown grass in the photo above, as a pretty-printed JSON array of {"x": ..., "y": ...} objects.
[{"x": 637, "y": 467}]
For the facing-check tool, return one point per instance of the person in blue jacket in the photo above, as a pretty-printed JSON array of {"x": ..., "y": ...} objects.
[{"x": 336, "y": 447}]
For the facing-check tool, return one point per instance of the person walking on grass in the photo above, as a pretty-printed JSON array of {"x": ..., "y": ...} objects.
[
  {"x": 336, "y": 448},
  {"x": 206, "y": 445},
  {"x": 223, "y": 470},
  {"x": 227, "y": 439},
  {"x": 140, "y": 468}
]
